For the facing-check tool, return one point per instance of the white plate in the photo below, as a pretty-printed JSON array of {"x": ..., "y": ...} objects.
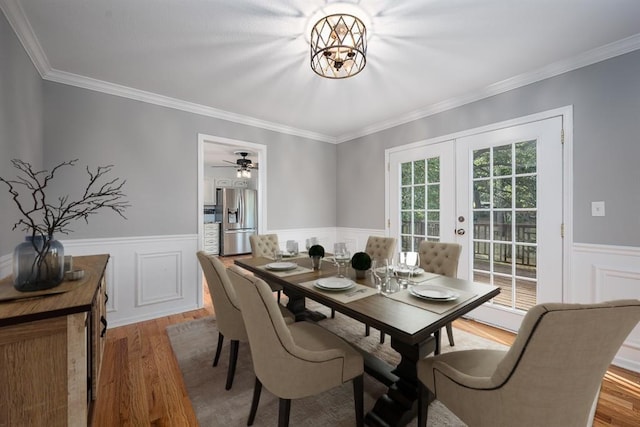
[
  {"x": 281, "y": 266},
  {"x": 334, "y": 283},
  {"x": 433, "y": 293}
]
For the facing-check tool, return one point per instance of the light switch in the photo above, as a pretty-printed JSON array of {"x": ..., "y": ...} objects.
[{"x": 597, "y": 208}]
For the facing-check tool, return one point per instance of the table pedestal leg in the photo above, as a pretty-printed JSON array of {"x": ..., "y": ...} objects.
[
  {"x": 400, "y": 404},
  {"x": 296, "y": 305}
]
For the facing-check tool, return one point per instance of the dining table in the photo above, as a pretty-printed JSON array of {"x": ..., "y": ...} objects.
[{"x": 409, "y": 320}]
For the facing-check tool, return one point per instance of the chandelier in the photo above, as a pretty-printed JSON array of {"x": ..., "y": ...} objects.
[{"x": 338, "y": 46}]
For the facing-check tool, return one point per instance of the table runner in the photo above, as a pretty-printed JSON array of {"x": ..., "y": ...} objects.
[
  {"x": 434, "y": 307},
  {"x": 346, "y": 296}
]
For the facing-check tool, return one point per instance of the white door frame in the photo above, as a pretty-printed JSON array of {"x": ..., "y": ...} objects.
[
  {"x": 261, "y": 151},
  {"x": 567, "y": 176}
]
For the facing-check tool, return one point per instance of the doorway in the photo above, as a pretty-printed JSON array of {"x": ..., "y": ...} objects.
[{"x": 260, "y": 151}]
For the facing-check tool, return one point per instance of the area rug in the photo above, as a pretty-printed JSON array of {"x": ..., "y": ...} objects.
[{"x": 194, "y": 344}]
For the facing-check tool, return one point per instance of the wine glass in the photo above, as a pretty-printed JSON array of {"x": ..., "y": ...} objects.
[
  {"x": 401, "y": 270},
  {"x": 380, "y": 273},
  {"x": 412, "y": 260},
  {"x": 342, "y": 258}
]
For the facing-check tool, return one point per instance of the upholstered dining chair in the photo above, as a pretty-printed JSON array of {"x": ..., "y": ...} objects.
[
  {"x": 227, "y": 309},
  {"x": 380, "y": 248},
  {"x": 440, "y": 258},
  {"x": 293, "y": 361},
  {"x": 550, "y": 376},
  {"x": 265, "y": 245}
]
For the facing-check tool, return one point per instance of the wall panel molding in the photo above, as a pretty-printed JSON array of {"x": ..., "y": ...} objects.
[
  {"x": 159, "y": 277},
  {"x": 147, "y": 276},
  {"x": 603, "y": 273}
]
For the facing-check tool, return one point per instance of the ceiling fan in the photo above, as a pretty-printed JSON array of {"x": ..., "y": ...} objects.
[{"x": 243, "y": 163}]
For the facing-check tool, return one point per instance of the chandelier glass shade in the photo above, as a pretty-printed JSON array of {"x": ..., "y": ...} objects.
[{"x": 338, "y": 46}]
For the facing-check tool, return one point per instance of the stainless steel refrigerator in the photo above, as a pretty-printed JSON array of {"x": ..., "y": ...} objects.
[{"x": 237, "y": 212}]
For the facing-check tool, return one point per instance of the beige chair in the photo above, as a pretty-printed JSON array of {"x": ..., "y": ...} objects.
[
  {"x": 550, "y": 377},
  {"x": 440, "y": 258},
  {"x": 293, "y": 361},
  {"x": 265, "y": 245},
  {"x": 227, "y": 309},
  {"x": 380, "y": 248}
]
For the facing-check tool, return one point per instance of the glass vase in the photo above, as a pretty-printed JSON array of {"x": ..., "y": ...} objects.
[{"x": 38, "y": 263}]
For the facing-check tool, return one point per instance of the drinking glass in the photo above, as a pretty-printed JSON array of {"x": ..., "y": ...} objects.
[
  {"x": 379, "y": 273},
  {"x": 342, "y": 258},
  {"x": 292, "y": 247},
  {"x": 409, "y": 262},
  {"x": 401, "y": 270}
]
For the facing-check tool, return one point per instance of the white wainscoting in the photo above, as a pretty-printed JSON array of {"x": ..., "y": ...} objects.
[
  {"x": 147, "y": 277},
  {"x": 602, "y": 273}
]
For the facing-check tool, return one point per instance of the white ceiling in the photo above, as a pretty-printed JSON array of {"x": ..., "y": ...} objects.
[{"x": 248, "y": 60}]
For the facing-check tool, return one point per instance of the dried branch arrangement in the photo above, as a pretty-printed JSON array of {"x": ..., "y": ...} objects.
[{"x": 43, "y": 217}]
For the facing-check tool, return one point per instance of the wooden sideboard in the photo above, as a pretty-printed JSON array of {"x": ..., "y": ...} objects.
[{"x": 51, "y": 350}]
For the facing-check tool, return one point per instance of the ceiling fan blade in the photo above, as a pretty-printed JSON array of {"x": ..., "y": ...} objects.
[{"x": 227, "y": 161}]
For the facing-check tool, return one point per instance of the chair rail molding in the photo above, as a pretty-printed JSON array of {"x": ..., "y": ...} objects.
[
  {"x": 607, "y": 272},
  {"x": 147, "y": 277}
]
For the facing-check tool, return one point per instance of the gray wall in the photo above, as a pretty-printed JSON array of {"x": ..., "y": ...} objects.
[
  {"x": 606, "y": 101},
  {"x": 20, "y": 124},
  {"x": 155, "y": 149}
]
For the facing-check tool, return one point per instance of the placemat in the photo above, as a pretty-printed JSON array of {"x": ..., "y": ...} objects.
[
  {"x": 434, "y": 307},
  {"x": 420, "y": 279},
  {"x": 345, "y": 297},
  {"x": 287, "y": 273}
]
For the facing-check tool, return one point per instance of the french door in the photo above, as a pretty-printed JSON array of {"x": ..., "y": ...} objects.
[{"x": 497, "y": 193}]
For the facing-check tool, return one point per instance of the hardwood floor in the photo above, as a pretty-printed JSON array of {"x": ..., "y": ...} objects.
[{"x": 141, "y": 384}]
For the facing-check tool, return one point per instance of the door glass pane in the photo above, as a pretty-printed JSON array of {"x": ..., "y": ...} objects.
[
  {"x": 502, "y": 193},
  {"x": 418, "y": 197},
  {"x": 526, "y": 226},
  {"x": 407, "y": 198},
  {"x": 433, "y": 172},
  {"x": 502, "y": 160},
  {"x": 526, "y": 157},
  {"x": 481, "y": 163},
  {"x": 526, "y": 192},
  {"x": 433, "y": 196},
  {"x": 502, "y": 225},
  {"x": 505, "y": 221},
  {"x": 418, "y": 172},
  {"x": 420, "y": 205},
  {"x": 406, "y": 173}
]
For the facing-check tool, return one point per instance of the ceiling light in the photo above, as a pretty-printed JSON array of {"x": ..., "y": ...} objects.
[
  {"x": 243, "y": 172},
  {"x": 338, "y": 46}
]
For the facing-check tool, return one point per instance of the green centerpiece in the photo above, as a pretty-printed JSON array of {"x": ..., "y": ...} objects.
[
  {"x": 316, "y": 253},
  {"x": 361, "y": 262}
]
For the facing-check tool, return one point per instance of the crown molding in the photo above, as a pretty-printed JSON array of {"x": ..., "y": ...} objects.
[
  {"x": 21, "y": 26},
  {"x": 593, "y": 56},
  {"x": 165, "y": 101}
]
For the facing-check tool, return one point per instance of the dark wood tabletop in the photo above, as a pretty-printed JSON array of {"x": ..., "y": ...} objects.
[{"x": 404, "y": 322}]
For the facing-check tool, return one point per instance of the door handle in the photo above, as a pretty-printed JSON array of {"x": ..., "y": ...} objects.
[{"x": 460, "y": 231}]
